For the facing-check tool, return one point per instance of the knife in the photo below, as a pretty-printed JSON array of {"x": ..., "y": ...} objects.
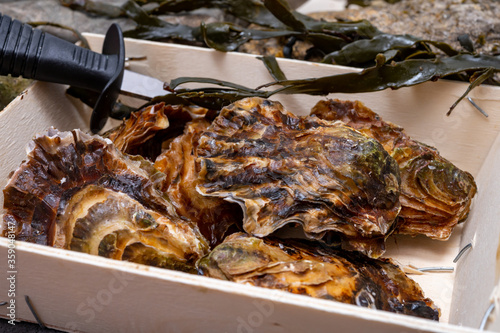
[{"x": 34, "y": 54}]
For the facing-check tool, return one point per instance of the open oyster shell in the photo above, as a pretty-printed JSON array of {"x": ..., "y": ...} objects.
[
  {"x": 286, "y": 169},
  {"x": 300, "y": 268},
  {"x": 435, "y": 194},
  {"x": 79, "y": 192}
]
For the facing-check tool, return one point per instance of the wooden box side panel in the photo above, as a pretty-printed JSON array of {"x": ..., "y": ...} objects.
[
  {"x": 465, "y": 138},
  {"x": 478, "y": 270},
  {"x": 79, "y": 292}
]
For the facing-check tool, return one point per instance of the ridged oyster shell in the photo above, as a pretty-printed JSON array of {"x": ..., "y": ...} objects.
[
  {"x": 284, "y": 169},
  {"x": 79, "y": 192},
  {"x": 316, "y": 271},
  {"x": 435, "y": 194}
]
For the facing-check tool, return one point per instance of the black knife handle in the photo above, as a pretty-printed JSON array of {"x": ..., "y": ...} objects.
[{"x": 34, "y": 54}]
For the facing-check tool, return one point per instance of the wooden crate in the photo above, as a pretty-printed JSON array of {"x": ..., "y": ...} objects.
[{"x": 79, "y": 292}]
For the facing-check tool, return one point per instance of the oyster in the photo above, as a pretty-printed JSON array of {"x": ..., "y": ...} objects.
[
  {"x": 139, "y": 130},
  {"x": 213, "y": 215},
  {"x": 293, "y": 266},
  {"x": 146, "y": 129},
  {"x": 286, "y": 169},
  {"x": 79, "y": 192},
  {"x": 435, "y": 194},
  {"x": 168, "y": 135}
]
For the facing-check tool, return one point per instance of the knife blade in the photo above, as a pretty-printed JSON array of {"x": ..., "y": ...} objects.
[
  {"x": 141, "y": 86},
  {"x": 34, "y": 54}
]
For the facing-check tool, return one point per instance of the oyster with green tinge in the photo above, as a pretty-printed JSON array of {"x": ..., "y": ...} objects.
[
  {"x": 435, "y": 194},
  {"x": 284, "y": 169},
  {"x": 79, "y": 192},
  {"x": 301, "y": 268}
]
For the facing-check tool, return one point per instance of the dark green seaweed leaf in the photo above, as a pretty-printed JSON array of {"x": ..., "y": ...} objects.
[
  {"x": 387, "y": 56},
  {"x": 140, "y": 16},
  {"x": 364, "y": 51},
  {"x": 10, "y": 88},
  {"x": 273, "y": 68},
  {"x": 181, "y": 80},
  {"x": 75, "y": 32},
  {"x": 390, "y": 61},
  {"x": 95, "y": 7},
  {"x": 327, "y": 36},
  {"x": 176, "y": 32},
  {"x": 210, "y": 97},
  {"x": 366, "y": 3},
  {"x": 394, "y": 76},
  {"x": 306, "y": 24},
  {"x": 282, "y": 12},
  {"x": 228, "y": 37},
  {"x": 251, "y": 11},
  {"x": 380, "y": 77},
  {"x": 325, "y": 42},
  {"x": 152, "y": 28},
  {"x": 177, "y": 6}
]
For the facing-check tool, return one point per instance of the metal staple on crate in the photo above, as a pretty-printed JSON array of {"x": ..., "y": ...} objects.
[
  {"x": 33, "y": 311},
  {"x": 477, "y": 107},
  {"x": 446, "y": 268},
  {"x": 486, "y": 316},
  {"x": 437, "y": 269},
  {"x": 462, "y": 252}
]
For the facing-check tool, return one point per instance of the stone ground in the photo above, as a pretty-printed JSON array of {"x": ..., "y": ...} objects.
[{"x": 53, "y": 11}]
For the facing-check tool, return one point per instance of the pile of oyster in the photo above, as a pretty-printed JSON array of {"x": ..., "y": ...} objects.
[{"x": 206, "y": 191}]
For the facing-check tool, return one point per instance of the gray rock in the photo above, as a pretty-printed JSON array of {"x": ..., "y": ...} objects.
[{"x": 52, "y": 11}]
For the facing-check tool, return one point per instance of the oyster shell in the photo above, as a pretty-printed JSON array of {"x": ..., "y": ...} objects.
[
  {"x": 168, "y": 135},
  {"x": 148, "y": 128},
  {"x": 286, "y": 169},
  {"x": 293, "y": 266},
  {"x": 213, "y": 215},
  {"x": 139, "y": 130},
  {"x": 435, "y": 194},
  {"x": 79, "y": 192}
]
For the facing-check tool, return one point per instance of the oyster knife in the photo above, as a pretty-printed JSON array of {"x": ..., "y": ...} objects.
[{"x": 34, "y": 54}]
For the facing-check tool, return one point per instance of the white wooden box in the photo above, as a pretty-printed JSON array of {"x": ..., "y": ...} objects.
[{"x": 78, "y": 292}]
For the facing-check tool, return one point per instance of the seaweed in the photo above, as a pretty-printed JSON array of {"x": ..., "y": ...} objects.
[
  {"x": 274, "y": 18},
  {"x": 383, "y": 75},
  {"x": 388, "y": 60},
  {"x": 392, "y": 75},
  {"x": 250, "y": 11},
  {"x": 228, "y": 37},
  {"x": 273, "y": 68},
  {"x": 152, "y": 28},
  {"x": 363, "y": 52}
]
